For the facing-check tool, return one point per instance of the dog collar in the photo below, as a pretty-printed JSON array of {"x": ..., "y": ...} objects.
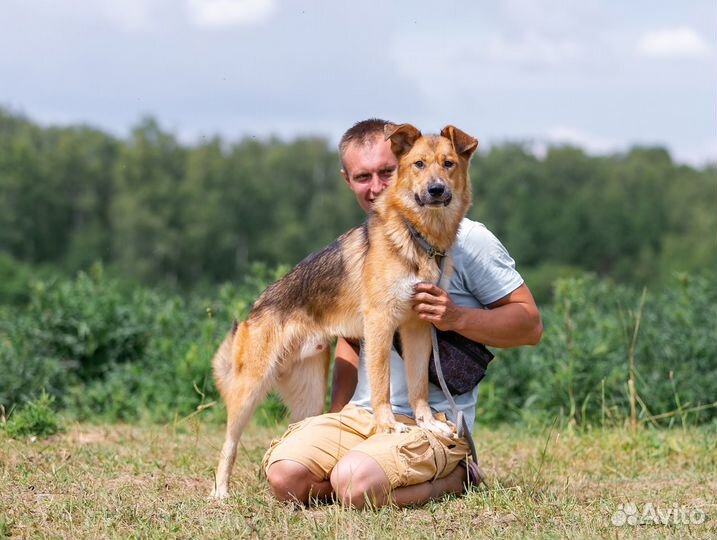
[{"x": 428, "y": 248}]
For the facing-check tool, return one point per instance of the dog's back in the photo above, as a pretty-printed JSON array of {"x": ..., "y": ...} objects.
[{"x": 310, "y": 291}]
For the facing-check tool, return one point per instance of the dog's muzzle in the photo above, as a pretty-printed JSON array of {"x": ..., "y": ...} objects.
[{"x": 436, "y": 194}]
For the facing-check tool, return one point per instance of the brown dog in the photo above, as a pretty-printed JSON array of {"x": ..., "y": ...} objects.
[{"x": 359, "y": 286}]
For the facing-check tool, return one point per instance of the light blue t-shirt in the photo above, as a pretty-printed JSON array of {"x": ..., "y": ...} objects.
[{"x": 483, "y": 272}]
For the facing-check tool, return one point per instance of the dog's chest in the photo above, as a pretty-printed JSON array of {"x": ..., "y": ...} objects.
[{"x": 402, "y": 288}]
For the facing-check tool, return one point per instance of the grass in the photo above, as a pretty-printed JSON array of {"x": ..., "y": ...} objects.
[
  {"x": 37, "y": 418},
  {"x": 127, "y": 481}
]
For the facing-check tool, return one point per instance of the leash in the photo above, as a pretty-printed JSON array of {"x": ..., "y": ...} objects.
[
  {"x": 462, "y": 428},
  {"x": 461, "y": 425}
]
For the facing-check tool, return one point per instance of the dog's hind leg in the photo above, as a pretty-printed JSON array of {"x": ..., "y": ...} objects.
[
  {"x": 302, "y": 385},
  {"x": 251, "y": 377}
]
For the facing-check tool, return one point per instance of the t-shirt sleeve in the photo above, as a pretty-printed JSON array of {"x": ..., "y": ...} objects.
[{"x": 490, "y": 270}]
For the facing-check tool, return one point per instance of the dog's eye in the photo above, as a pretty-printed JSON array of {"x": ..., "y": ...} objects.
[
  {"x": 419, "y": 164},
  {"x": 448, "y": 164}
]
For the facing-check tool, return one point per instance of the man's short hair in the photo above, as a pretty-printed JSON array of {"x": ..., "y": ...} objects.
[{"x": 361, "y": 133}]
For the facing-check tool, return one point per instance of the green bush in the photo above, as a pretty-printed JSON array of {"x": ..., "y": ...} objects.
[
  {"x": 580, "y": 370},
  {"x": 26, "y": 370},
  {"x": 36, "y": 418},
  {"x": 173, "y": 376},
  {"x": 15, "y": 280},
  {"x": 91, "y": 323},
  {"x": 113, "y": 352},
  {"x": 108, "y": 350},
  {"x": 544, "y": 277}
]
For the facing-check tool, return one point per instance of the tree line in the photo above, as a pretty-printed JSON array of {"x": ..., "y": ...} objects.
[{"x": 159, "y": 211}]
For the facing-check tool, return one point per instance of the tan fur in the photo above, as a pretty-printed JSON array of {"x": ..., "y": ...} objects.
[{"x": 378, "y": 266}]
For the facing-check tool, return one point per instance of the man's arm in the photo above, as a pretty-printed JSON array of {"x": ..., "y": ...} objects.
[
  {"x": 345, "y": 374},
  {"x": 512, "y": 321}
]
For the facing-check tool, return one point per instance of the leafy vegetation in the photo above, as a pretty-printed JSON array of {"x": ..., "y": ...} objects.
[
  {"x": 113, "y": 351},
  {"x": 157, "y": 211},
  {"x": 155, "y": 227},
  {"x": 580, "y": 370},
  {"x": 36, "y": 418}
]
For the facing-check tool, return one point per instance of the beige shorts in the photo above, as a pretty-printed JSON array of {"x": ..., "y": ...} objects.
[{"x": 413, "y": 457}]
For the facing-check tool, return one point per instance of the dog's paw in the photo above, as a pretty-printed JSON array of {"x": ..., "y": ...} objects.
[
  {"x": 391, "y": 427},
  {"x": 218, "y": 494},
  {"x": 435, "y": 426},
  {"x": 385, "y": 421}
]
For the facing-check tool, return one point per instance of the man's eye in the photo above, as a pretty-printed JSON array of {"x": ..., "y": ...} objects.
[
  {"x": 448, "y": 164},
  {"x": 419, "y": 164}
]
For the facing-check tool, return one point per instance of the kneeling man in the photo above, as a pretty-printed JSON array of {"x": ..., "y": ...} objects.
[{"x": 339, "y": 453}]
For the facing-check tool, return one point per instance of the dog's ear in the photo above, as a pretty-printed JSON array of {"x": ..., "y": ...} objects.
[
  {"x": 402, "y": 137},
  {"x": 463, "y": 143}
]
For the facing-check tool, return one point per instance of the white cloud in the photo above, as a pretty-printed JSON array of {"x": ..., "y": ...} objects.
[
  {"x": 697, "y": 154},
  {"x": 554, "y": 17},
  {"x": 125, "y": 14},
  {"x": 531, "y": 49},
  {"x": 592, "y": 143},
  {"x": 682, "y": 42},
  {"x": 497, "y": 48},
  {"x": 217, "y": 13},
  {"x": 469, "y": 62}
]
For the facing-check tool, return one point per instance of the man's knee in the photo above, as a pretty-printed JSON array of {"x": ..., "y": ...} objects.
[
  {"x": 290, "y": 480},
  {"x": 358, "y": 480}
]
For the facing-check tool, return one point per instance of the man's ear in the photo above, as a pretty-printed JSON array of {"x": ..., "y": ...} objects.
[
  {"x": 463, "y": 143},
  {"x": 402, "y": 137}
]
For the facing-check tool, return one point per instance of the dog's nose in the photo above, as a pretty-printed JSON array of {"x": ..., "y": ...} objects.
[{"x": 436, "y": 189}]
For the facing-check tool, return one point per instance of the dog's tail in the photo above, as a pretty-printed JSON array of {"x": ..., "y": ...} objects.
[{"x": 222, "y": 362}]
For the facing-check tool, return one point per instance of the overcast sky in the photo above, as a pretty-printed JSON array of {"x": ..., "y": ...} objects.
[{"x": 600, "y": 74}]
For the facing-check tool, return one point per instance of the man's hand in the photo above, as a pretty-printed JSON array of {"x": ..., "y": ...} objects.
[
  {"x": 435, "y": 306},
  {"x": 511, "y": 321}
]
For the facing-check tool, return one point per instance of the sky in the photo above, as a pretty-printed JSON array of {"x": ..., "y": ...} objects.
[{"x": 603, "y": 75}]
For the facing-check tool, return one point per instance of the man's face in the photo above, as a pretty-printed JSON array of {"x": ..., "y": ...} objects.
[{"x": 368, "y": 169}]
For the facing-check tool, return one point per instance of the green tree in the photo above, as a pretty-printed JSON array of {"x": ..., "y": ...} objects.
[{"x": 145, "y": 210}]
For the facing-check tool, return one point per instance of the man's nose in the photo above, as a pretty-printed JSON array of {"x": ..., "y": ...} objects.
[{"x": 377, "y": 184}]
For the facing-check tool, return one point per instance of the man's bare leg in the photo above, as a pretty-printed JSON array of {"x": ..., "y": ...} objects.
[
  {"x": 292, "y": 481},
  {"x": 359, "y": 480}
]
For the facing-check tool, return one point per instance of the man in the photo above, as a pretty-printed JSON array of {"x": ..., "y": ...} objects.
[{"x": 337, "y": 453}]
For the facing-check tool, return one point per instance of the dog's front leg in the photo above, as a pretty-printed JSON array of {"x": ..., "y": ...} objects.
[
  {"x": 378, "y": 337},
  {"x": 416, "y": 351}
]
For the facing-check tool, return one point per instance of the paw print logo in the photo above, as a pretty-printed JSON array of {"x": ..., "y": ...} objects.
[{"x": 625, "y": 513}]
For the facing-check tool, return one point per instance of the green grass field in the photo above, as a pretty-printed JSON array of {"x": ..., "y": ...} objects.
[{"x": 122, "y": 481}]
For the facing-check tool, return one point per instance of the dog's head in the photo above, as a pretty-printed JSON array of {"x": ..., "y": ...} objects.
[{"x": 433, "y": 169}]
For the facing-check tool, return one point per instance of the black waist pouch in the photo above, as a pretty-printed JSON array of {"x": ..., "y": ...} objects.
[{"x": 463, "y": 362}]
